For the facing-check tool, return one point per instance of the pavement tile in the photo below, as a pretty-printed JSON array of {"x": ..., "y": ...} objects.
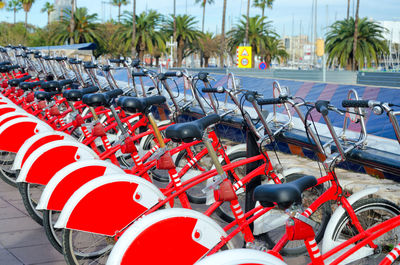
[
  {"x": 37, "y": 254},
  {"x": 23, "y": 238},
  {"x": 10, "y": 212},
  {"x": 7, "y": 258},
  {"x": 61, "y": 262},
  {"x": 20, "y": 206},
  {"x": 12, "y": 195},
  {"x": 3, "y": 203},
  {"x": 18, "y": 224},
  {"x": 5, "y": 187}
]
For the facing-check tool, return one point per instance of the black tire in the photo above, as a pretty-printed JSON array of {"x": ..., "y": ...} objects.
[
  {"x": 370, "y": 212},
  {"x": 53, "y": 234},
  {"x": 6, "y": 173},
  {"x": 85, "y": 248},
  {"x": 321, "y": 216},
  {"x": 30, "y": 194}
]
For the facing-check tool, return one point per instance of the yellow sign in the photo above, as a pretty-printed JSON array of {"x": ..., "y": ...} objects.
[
  {"x": 243, "y": 55},
  {"x": 320, "y": 47}
]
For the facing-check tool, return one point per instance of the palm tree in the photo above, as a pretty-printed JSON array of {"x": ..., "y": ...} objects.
[
  {"x": 48, "y": 8},
  {"x": 263, "y": 4},
  {"x": 147, "y": 34},
  {"x": 355, "y": 35},
  {"x": 186, "y": 33},
  {"x": 203, "y": 4},
  {"x": 119, "y": 3},
  {"x": 14, "y": 6},
  {"x": 258, "y": 34},
  {"x": 133, "y": 47},
  {"x": 27, "y": 4},
  {"x": 208, "y": 46},
  {"x": 246, "y": 38},
  {"x": 86, "y": 29},
  {"x": 274, "y": 50},
  {"x": 222, "y": 50},
  {"x": 370, "y": 43},
  {"x": 348, "y": 9}
]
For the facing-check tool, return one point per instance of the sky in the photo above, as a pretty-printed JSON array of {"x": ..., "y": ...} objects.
[{"x": 289, "y": 17}]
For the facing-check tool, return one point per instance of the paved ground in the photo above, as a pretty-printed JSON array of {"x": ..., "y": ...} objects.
[{"x": 22, "y": 241}]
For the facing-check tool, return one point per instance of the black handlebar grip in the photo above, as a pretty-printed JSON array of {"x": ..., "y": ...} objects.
[
  {"x": 91, "y": 89},
  {"x": 116, "y": 60},
  {"x": 171, "y": 74},
  {"x": 138, "y": 74},
  {"x": 213, "y": 90},
  {"x": 355, "y": 103},
  {"x": 114, "y": 93},
  {"x": 322, "y": 107},
  {"x": 269, "y": 101}
]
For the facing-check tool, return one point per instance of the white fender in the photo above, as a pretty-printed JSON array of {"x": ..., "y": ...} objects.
[
  {"x": 15, "y": 132},
  {"x": 204, "y": 224},
  {"x": 83, "y": 153},
  {"x": 241, "y": 256},
  {"x": 328, "y": 244},
  {"x": 15, "y": 113},
  {"x": 28, "y": 143},
  {"x": 194, "y": 173},
  {"x": 61, "y": 174},
  {"x": 153, "y": 194},
  {"x": 233, "y": 149}
]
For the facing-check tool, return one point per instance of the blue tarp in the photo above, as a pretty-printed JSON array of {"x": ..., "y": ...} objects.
[{"x": 80, "y": 46}]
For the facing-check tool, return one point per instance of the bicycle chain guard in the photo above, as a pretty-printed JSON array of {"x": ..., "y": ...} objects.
[{"x": 212, "y": 185}]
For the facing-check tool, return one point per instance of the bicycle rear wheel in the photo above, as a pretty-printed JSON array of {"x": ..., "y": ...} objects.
[{"x": 370, "y": 212}]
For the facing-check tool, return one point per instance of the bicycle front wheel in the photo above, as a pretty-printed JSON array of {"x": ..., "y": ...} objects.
[{"x": 86, "y": 248}]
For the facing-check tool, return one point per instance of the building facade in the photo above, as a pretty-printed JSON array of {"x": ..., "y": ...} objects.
[{"x": 60, "y": 6}]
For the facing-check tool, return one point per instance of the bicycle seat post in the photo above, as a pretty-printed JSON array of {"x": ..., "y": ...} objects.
[{"x": 157, "y": 133}]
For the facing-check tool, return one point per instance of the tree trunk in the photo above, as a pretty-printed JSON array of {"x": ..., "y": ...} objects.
[
  {"x": 119, "y": 13},
  {"x": 15, "y": 12},
  {"x": 355, "y": 65},
  {"x": 262, "y": 12},
  {"x": 174, "y": 36},
  {"x": 206, "y": 61},
  {"x": 26, "y": 19},
  {"x": 181, "y": 45},
  {"x": 157, "y": 61},
  {"x": 48, "y": 18},
  {"x": 72, "y": 21},
  {"x": 247, "y": 23},
  {"x": 348, "y": 9},
  {"x": 204, "y": 15},
  {"x": 253, "y": 53},
  {"x": 141, "y": 52},
  {"x": 222, "y": 50},
  {"x": 133, "y": 50}
]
